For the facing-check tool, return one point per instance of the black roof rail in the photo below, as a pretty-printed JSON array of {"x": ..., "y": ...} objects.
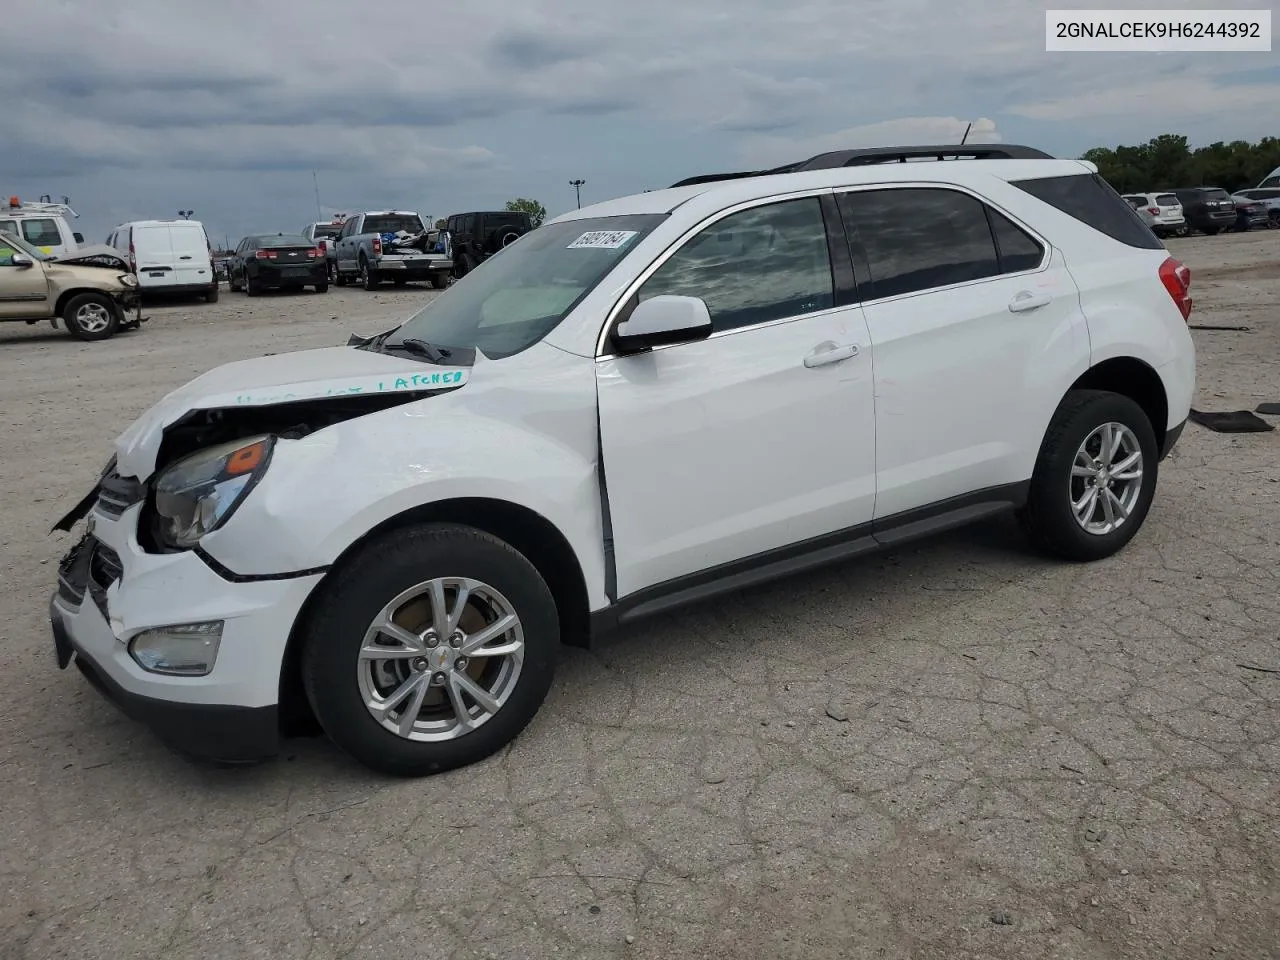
[{"x": 870, "y": 155}]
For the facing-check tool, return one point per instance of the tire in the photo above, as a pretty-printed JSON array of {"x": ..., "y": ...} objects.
[
  {"x": 91, "y": 316},
  {"x": 231, "y": 283},
  {"x": 339, "y": 277},
  {"x": 212, "y": 295},
  {"x": 1048, "y": 517},
  {"x": 338, "y": 681},
  {"x": 249, "y": 287},
  {"x": 322, "y": 287},
  {"x": 368, "y": 276},
  {"x": 440, "y": 280}
]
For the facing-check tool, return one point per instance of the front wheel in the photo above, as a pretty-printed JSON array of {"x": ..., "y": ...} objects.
[
  {"x": 431, "y": 650},
  {"x": 1095, "y": 477},
  {"x": 91, "y": 316}
]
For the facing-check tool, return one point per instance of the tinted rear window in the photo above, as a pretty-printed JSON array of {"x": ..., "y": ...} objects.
[
  {"x": 392, "y": 223},
  {"x": 1166, "y": 200},
  {"x": 1093, "y": 201},
  {"x": 1217, "y": 195}
]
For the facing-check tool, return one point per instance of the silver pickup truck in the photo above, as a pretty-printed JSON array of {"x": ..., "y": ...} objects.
[{"x": 394, "y": 245}]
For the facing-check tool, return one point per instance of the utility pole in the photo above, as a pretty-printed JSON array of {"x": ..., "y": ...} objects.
[
  {"x": 577, "y": 190},
  {"x": 316, "y": 184}
]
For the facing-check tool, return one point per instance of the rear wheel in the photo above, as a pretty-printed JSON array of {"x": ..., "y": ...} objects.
[
  {"x": 251, "y": 288},
  {"x": 368, "y": 276},
  {"x": 212, "y": 295},
  {"x": 430, "y": 650},
  {"x": 439, "y": 280},
  {"x": 1095, "y": 477},
  {"x": 91, "y": 316}
]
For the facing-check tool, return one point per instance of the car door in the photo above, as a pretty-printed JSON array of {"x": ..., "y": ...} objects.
[
  {"x": 759, "y": 437},
  {"x": 24, "y": 291},
  {"x": 191, "y": 264},
  {"x": 976, "y": 332},
  {"x": 347, "y": 245}
]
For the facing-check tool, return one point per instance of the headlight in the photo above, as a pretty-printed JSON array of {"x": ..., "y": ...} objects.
[
  {"x": 128, "y": 279},
  {"x": 199, "y": 493}
]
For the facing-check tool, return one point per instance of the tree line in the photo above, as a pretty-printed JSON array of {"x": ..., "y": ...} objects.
[{"x": 1166, "y": 163}]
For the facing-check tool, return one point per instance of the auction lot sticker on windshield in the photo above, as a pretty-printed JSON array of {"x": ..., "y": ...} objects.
[{"x": 603, "y": 239}]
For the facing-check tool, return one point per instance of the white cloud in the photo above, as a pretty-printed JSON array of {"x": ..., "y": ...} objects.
[
  {"x": 1193, "y": 97},
  {"x": 765, "y": 151}
]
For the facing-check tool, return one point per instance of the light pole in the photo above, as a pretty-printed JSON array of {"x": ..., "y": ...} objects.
[
  {"x": 577, "y": 190},
  {"x": 185, "y": 214}
]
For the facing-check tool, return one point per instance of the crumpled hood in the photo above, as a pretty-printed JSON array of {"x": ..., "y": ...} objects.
[
  {"x": 98, "y": 255},
  {"x": 279, "y": 379}
]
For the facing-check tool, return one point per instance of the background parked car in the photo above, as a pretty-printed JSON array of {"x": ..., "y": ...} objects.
[
  {"x": 277, "y": 261},
  {"x": 1162, "y": 212},
  {"x": 322, "y": 235},
  {"x": 479, "y": 235},
  {"x": 1270, "y": 196},
  {"x": 169, "y": 256},
  {"x": 1250, "y": 214},
  {"x": 1207, "y": 209}
]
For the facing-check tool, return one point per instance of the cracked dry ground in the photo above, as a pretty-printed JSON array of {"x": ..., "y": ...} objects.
[{"x": 957, "y": 751}]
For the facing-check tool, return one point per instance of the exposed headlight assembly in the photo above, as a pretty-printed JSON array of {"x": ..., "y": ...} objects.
[
  {"x": 199, "y": 493},
  {"x": 128, "y": 279}
]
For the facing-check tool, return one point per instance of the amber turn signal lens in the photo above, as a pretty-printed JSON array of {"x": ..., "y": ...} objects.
[{"x": 246, "y": 459}]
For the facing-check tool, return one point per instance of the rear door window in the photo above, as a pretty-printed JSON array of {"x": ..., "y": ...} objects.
[
  {"x": 1091, "y": 200},
  {"x": 918, "y": 238}
]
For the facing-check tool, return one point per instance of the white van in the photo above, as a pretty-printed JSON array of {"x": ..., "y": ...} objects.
[
  {"x": 1272, "y": 179},
  {"x": 169, "y": 256}
]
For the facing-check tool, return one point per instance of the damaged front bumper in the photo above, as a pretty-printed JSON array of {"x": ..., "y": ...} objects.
[{"x": 110, "y": 592}]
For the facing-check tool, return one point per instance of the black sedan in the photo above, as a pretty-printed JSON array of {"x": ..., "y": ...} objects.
[{"x": 277, "y": 261}]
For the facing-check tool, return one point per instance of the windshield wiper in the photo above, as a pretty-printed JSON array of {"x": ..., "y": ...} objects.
[{"x": 422, "y": 348}]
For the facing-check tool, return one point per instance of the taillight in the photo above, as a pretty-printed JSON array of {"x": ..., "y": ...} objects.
[
  {"x": 1154, "y": 211},
  {"x": 1176, "y": 277},
  {"x": 315, "y": 252},
  {"x": 377, "y": 246},
  {"x": 265, "y": 255}
]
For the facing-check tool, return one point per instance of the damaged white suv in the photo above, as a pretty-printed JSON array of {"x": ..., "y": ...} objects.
[{"x": 639, "y": 404}]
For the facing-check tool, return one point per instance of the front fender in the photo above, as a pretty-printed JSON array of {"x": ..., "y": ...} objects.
[{"x": 324, "y": 492}]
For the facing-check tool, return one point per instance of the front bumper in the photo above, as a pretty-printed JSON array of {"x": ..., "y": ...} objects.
[
  {"x": 109, "y": 590},
  {"x": 220, "y": 732}
]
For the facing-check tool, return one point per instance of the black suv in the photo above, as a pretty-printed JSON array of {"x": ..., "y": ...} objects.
[
  {"x": 1207, "y": 209},
  {"x": 478, "y": 236}
]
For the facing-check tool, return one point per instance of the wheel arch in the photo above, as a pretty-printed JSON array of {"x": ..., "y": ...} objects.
[
  {"x": 534, "y": 536},
  {"x": 1135, "y": 379}
]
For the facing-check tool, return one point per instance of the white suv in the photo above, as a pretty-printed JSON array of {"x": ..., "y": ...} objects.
[
  {"x": 1162, "y": 212},
  {"x": 642, "y": 403}
]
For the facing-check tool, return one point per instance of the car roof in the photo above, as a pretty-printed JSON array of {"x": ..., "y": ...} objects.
[{"x": 746, "y": 188}]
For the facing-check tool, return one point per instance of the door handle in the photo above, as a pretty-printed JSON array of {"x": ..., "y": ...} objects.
[
  {"x": 184, "y": 257},
  {"x": 1025, "y": 300},
  {"x": 829, "y": 352}
]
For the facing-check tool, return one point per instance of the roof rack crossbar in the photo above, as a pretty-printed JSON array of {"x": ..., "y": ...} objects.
[{"x": 870, "y": 155}]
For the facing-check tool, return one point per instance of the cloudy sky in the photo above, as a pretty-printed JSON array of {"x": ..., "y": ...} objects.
[{"x": 140, "y": 109}]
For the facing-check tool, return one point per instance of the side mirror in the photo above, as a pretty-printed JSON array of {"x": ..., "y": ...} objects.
[
  {"x": 663, "y": 320},
  {"x": 79, "y": 237},
  {"x": 22, "y": 260}
]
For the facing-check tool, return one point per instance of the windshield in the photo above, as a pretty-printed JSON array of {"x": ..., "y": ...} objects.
[
  {"x": 510, "y": 302},
  {"x": 287, "y": 240},
  {"x": 392, "y": 223},
  {"x": 1216, "y": 195},
  {"x": 1166, "y": 200}
]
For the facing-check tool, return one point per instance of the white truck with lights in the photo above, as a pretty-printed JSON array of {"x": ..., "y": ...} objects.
[
  {"x": 44, "y": 224},
  {"x": 642, "y": 403}
]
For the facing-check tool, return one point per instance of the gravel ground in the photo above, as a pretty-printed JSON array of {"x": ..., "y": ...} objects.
[{"x": 956, "y": 751}]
